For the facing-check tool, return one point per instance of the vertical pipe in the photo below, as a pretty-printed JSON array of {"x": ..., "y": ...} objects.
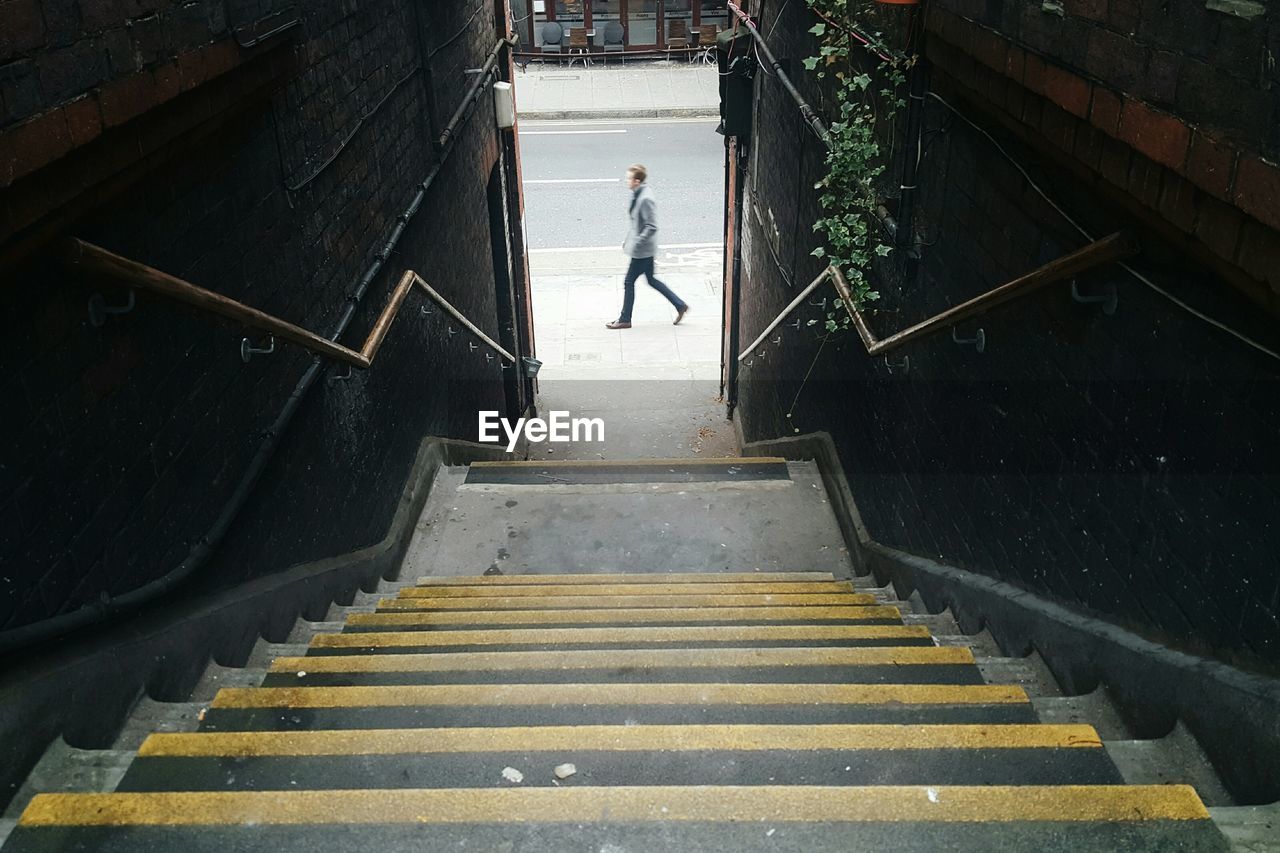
[{"x": 911, "y": 151}]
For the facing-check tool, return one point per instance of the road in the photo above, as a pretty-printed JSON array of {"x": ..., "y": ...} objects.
[{"x": 575, "y": 194}]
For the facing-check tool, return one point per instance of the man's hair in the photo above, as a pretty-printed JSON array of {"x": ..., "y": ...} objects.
[{"x": 638, "y": 172}]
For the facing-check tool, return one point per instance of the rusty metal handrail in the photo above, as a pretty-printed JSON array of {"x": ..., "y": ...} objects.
[
  {"x": 1110, "y": 248},
  {"x": 86, "y": 256}
]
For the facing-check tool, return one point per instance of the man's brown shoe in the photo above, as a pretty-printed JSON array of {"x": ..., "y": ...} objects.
[
  {"x": 680, "y": 315},
  {"x": 617, "y": 324}
]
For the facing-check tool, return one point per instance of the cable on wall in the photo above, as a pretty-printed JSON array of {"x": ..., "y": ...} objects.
[{"x": 1217, "y": 324}]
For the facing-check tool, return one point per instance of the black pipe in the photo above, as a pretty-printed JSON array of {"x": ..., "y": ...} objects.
[
  {"x": 806, "y": 112},
  {"x": 200, "y": 553},
  {"x": 911, "y": 154}
]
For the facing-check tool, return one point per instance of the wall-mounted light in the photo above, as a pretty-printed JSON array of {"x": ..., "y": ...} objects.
[
  {"x": 531, "y": 366},
  {"x": 504, "y": 105}
]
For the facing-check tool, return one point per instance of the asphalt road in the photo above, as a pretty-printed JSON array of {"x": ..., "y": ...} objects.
[{"x": 568, "y": 205}]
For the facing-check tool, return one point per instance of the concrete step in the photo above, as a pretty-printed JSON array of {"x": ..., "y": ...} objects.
[
  {"x": 1249, "y": 829},
  {"x": 217, "y": 677},
  {"x": 1095, "y": 709},
  {"x": 405, "y": 620},
  {"x": 1176, "y": 758},
  {"x": 624, "y": 755},
  {"x": 1087, "y": 819},
  {"x": 643, "y": 637},
  {"x": 917, "y": 665},
  {"x": 151, "y": 716},
  {"x": 63, "y": 768},
  {"x": 1030, "y": 672}
]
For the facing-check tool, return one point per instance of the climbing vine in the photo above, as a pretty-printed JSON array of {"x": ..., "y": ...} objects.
[{"x": 865, "y": 104}]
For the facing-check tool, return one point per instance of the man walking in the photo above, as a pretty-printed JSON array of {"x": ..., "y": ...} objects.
[{"x": 641, "y": 245}]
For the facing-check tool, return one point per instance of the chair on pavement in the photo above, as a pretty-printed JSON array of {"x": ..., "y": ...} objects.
[
  {"x": 550, "y": 38},
  {"x": 578, "y": 44},
  {"x": 677, "y": 36},
  {"x": 707, "y": 44},
  {"x": 613, "y": 39}
]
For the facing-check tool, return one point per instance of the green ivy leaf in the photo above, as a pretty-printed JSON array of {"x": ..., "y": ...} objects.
[{"x": 818, "y": 29}]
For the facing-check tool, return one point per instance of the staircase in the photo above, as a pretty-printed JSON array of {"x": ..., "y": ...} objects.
[{"x": 738, "y": 707}]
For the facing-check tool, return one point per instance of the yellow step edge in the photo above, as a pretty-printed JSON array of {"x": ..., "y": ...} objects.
[
  {"x": 620, "y": 601},
  {"x": 639, "y": 636},
  {"x": 665, "y": 804},
  {"x": 561, "y": 660},
  {"x": 637, "y": 590},
  {"x": 632, "y": 463},
  {"x": 597, "y": 738},
  {"x": 631, "y": 578},
  {"x": 666, "y": 694},
  {"x": 722, "y": 615}
]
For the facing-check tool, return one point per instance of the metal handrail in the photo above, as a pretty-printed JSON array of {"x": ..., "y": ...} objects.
[
  {"x": 86, "y": 256},
  {"x": 1111, "y": 248}
]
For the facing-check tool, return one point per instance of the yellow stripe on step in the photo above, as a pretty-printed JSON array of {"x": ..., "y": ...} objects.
[
  {"x": 519, "y": 602},
  {"x": 652, "y": 615},
  {"x": 631, "y": 578},
  {"x": 659, "y": 804},
  {"x": 627, "y": 659},
  {"x": 599, "y": 589},
  {"x": 551, "y": 695},
  {"x": 631, "y": 463},
  {"x": 597, "y": 636},
  {"x": 593, "y": 738}
]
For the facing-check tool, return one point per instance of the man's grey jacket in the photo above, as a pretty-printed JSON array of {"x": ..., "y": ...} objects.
[{"x": 642, "y": 234}]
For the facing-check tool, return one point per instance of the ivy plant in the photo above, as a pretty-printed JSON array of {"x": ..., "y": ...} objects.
[{"x": 864, "y": 79}]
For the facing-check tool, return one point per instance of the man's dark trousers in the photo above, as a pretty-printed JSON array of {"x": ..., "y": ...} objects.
[{"x": 637, "y": 268}]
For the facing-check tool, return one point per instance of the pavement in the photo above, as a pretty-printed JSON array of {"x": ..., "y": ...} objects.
[
  {"x": 656, "y": 385},
  {"x": 643, "y": 88}
]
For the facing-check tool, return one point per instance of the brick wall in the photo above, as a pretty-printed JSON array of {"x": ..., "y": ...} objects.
[
  {"x": 125, "y": 442},
  {"x": 1123, "y": 464},
  {"x": 1176, "y": 107}
]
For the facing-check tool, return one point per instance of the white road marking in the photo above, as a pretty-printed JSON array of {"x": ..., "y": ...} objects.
[
  {"x": 560, "y": 132},
  {"x": 618, "y": 248},
  {"x": 573, "y": 181}
]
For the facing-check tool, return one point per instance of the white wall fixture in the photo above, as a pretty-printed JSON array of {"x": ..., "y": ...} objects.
[{"x": 504, "y": 105}]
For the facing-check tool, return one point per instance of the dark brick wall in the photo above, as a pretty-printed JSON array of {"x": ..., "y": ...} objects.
[
  {"x": 1215, "y": 180},
  {"x": 1207, "y": 66},
  {"x": 1124, "y": 464},
  {"x": 123, "y": 443}
]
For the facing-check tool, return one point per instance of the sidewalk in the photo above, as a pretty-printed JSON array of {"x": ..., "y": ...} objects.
[{"x": 642, "y": 89}]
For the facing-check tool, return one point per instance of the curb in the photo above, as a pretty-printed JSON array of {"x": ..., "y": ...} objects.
[{"x": 712, "y": 111}]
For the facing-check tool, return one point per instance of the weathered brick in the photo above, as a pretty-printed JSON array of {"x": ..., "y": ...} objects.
[
  {"x": 84, "y": 120},
  {"x": 1259, "y": 254},
  {"x": 1094, "y": 10},
  {"x": 990, "y": 49},
  {"x": 1104, "y": 112},
  {"x": 1088, "y": 145},
  {"x": 21, "y": 28},
  {"x": 1058, "y": 126},
  {"x": 1160, "y": 84},
  {"x": 1179, "y": 201},
  {"x": 1218, "y": 226},
  {"x": 1115, "y": 162},
  {"x": 70, "y": 71},
  {"x": 1145, "y": 181},
  {"x": 1257, "y": 190},
  {"x": 19, "y": 91},
  {"x": 1015, "y": 63},
  {"x": 1124, "y": 15},
  {"x": 1116, "y": 60},
  {"x": 1211, "y": 165},
  {"x": 1208, "y": 96},
  {"x": 1067, "y": 90},
  {"x": 33, "y": 144},
  {"x": 1160, "y": 136}
]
